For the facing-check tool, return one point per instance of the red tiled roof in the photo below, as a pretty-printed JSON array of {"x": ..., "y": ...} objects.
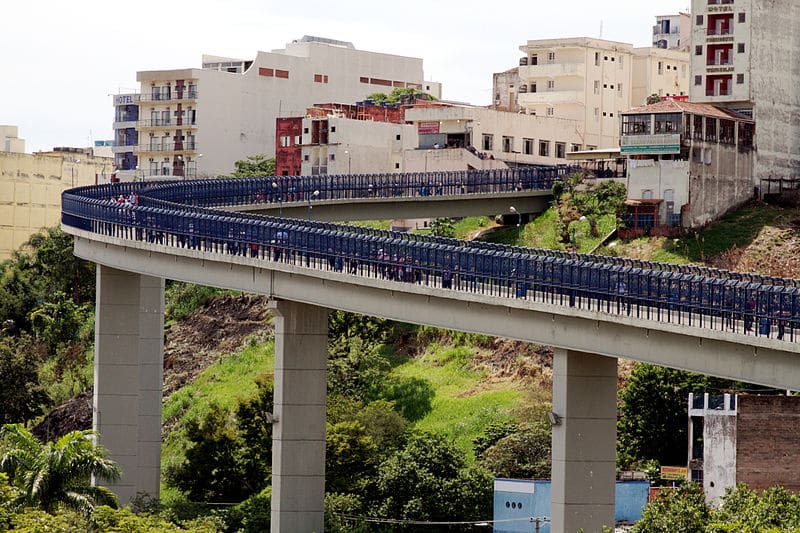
[{"x": 675, "y": 106}]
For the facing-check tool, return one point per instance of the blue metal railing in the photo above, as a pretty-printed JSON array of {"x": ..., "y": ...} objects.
[{"x": 180, "y": 214}]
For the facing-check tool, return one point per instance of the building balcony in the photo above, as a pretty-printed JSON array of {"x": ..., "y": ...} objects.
[
  {"x": 173, "y": 96},
  {"x": 167, "y": 148},
  {"x": 720, "y": 31},
  {"x": 124, "y": 148},
  {"x": 549, "y": 97},
  {"x": 167, "y": 123},
  {"x": 124, "y": 124},
  {"x": 551, "y": 70}
]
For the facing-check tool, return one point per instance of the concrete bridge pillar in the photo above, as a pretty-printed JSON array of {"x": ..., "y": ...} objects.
[
  {"x": 584, "y": 441},
  {"x": 128, "y": 376},
  {"x": 298, "y": 435}
]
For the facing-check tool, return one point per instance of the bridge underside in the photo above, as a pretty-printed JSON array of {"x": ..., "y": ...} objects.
[{"x": 407, "y": 207}]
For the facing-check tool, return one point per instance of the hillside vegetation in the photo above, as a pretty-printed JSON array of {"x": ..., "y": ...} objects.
[{"x": 419, "y": 419}]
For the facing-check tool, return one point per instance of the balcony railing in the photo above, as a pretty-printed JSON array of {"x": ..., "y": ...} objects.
[
  {"x": 162, "y": 122},
  {"x": 169, "y": 97},
  {"x": 720, "y": 31},
  {"x": 168, "y": 147}
]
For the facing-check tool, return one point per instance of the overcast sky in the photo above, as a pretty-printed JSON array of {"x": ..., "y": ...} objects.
[{"x": 61, "y": 60}]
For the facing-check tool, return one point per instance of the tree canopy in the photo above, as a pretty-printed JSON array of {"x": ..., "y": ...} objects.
[
  {"x": 253, "y": 166},
  {"x": 398, "y": 93},
  {"x": 58, "y": 474}
]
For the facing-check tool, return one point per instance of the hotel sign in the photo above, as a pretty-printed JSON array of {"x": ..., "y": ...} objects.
[{"x": 123, "y": 99}]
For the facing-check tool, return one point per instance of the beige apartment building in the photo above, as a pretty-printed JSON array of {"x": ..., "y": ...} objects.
[
  {"x": 10, "y": 141},
  {"x": 745, "y": 57},
  {"x": 198, "y": 122},
  {"x": 590, "y": 82},
  {"x": 31, "y": 187}
]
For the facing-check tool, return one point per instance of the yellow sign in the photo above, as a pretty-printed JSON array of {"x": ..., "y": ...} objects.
[{"x": 674, "y": 472}]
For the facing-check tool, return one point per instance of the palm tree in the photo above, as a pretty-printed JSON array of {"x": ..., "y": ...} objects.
[{"x": 57, "y": 474}]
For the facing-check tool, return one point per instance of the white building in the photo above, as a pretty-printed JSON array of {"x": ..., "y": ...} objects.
[
  {"x": 341, "y": 145},
  {"x": 745, "y": 56},
  {"x": 688, "y": 163},
  {"x": 673, "y": 32},
  {"x": 481, "y": 138},
  {"x": 196, "y": 122},
  {"x": 591, "y": 82}
]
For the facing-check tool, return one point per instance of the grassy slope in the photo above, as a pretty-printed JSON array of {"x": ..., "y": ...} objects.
[
  {"x": 229, "y": 380},
  {"x": 463, "y": 404}
]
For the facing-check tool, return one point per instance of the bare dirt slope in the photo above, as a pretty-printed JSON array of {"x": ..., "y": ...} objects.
[{"x": 221, "y": 327}]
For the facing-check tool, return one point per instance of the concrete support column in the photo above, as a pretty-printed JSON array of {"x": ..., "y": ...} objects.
[
  {"x": 298, "y": 436},
  {"x": 128, "y": 375},
  {"x": 584, "y": 441}
]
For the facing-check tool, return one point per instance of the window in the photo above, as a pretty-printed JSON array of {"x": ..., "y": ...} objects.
[
  {"x": 397, "y": 165},
  {"x": 647, "y": 194},
  {"x": 740, "y": 79},
  {"x": 527, "y": 146},
  {"x": 660, "y": 67},
  {"x": 488, "y": 141},
  {"x": 285, "y": 141},
  {"x": 305, "y": 130},
  {"x": 333, "y": 157},
  {"x": 698, "y": 50},
  {"x": 534, "y": 59},
  {"x": 508, "y": 144},
  {"x": 619, "y": 87},
  {"x": 306, "y": 157},
  {"x": 699, "y": 20},
  {"x": 551, "y": 111},
  {"x": 742, "y": 18},
  {"x": 561, "y": 150},
  {"x": 282, "y": 74},
  {"x": 621, "y": 61},
  {"x": 740, "y": 48},
  {"x": 597, "y": 59},
  {"x": 397, "y": 137},
  {"x": 544, "y": 148},
  {"x": 668, "y": 123},
  {"x": 636, "y": 124},
  {"x": 596, "y": 114},
  {"x": 333, "y": 129},
  {"x": 551, "y": 57},
  {"x": 596, "y": 87},
  {"x": 698, "y": 80},
  {"x": 533, "y": 87},
  {"x": 551, "y": 84},
  {"x": 575, "y": 148},
  {"x": 612, "y": 86}
]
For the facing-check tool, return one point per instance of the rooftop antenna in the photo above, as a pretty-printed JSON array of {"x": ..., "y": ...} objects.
[{"x": 601, "y": 29}]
